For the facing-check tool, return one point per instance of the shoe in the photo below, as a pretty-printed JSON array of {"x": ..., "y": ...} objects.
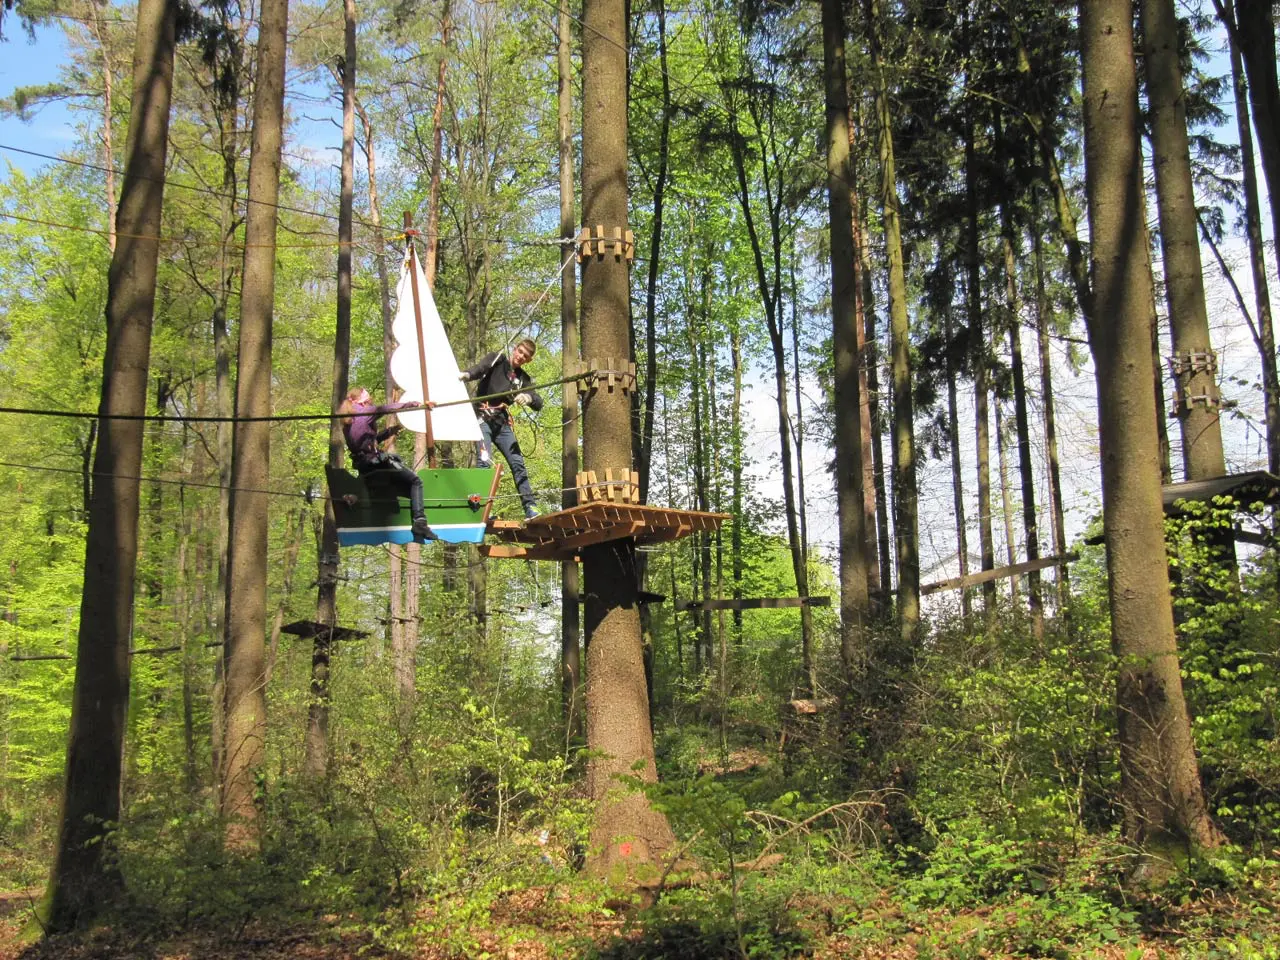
[
  {"x": 530, "y": 512},
  {"x": 421, "y": 531},
  {"x": 485, "y": 460}
]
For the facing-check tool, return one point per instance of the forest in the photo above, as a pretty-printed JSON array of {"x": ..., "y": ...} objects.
[{"x": 896, "y": 571}]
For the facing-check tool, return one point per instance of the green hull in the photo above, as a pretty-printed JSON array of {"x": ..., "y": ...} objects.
[{"x": 369, "y": 511}]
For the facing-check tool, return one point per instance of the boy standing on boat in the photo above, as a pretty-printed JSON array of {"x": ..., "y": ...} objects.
[{"x": 504, "y": 382}]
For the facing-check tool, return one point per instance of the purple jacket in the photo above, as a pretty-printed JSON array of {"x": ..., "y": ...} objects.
[{"x": 362, "y": 431}]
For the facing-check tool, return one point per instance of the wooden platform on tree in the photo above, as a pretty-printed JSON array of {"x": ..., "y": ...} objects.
[
  {"x": 752, "y": 603},
  {"x": 1249, "y": 487},
  {"x": 306, "y": 629},
  {"x": 563, "y": 534}
]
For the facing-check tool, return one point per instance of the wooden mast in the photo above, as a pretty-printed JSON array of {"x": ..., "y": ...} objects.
[{"x": 410, "y": 233}]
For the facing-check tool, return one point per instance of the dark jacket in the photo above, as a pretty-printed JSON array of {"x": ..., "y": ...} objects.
[{"x": 497, "y": 376}]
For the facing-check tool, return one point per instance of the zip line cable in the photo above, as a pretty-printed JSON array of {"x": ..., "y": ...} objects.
[
  {"x": 163, "y": 418},
  {"x": 161, "y": 480},
  {"x": 388, "y": 240},
  {"x": 308, "y": 496},
  {"x": 391, "y": 236}
]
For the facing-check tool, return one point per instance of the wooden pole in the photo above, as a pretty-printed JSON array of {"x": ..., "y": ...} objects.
[{"x": 410, "y": 233}]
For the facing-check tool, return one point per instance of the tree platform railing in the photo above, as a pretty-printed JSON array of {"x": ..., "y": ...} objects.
[{"x": 564, "y": 534}]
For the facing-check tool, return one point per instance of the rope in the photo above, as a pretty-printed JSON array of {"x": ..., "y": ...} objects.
[{"x": 274, "y": 418}]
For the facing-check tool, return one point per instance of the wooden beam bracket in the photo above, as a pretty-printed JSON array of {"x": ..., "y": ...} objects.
[
  {"x": 619, "y": 241},
  {"x": 609, "y": 373}
]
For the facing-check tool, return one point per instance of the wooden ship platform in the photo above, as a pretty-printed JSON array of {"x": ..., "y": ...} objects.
[{"x": 607, "y": 510}]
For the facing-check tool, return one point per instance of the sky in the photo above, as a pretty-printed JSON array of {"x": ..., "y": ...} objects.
[
  {"x": 26, "y": 63},
  {"x": 313, "y": 144}
]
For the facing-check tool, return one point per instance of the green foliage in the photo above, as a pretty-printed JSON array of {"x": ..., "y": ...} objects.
[{"x": 1228, "y": 651}]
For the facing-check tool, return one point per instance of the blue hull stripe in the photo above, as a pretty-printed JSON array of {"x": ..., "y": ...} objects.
[{"x": 447, "y": 532}]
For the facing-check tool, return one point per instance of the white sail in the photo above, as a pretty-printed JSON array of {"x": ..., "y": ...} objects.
[{"x": 456, "y": 422}]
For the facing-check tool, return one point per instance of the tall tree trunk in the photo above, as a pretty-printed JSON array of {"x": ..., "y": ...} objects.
[
  {"x": 627, "y": 835},
  {"x": 771, "y": 294},
  {"x": 797, "y": 437},
  {"x": 405, "y": 656},
  {"x": 316, "y": 762},
  {"x": 957, "y": 476},
  {"x": 1257, "y": 255},
  {"x": 84, "y": 874},
  {"x": 1198, "y": 400},
  {"x": 735, "y": 425},
  {"x": 191, "y": 774},
  {"x": 108, "y": 115},
  {"x": 645, "y": 447},
  {"x": 1253, "y": 31},
  {"x": 1056, "y": 508},
  {"x": 845, "y": 322},
  {"x": 224, "y": 399},
  {"x": 570, "y": 614},
  {"x": 246, "y": 615},
  {"x": 1022, "y": 424},
  {"x": 1157, "y": 371},
  {"x": 981, "y": 385},
  {"x": 702, "y": 575},
  {"x": 906, "y": 509},
  {"x": 706, "y": 442},
  {"x": 395, "y": 555},
  {"x": 865, "y": 323},
  {"x": 1164, "y": 807},
  {"x": 877, "y": 439},
  {"x": 1006, "y": 500}
]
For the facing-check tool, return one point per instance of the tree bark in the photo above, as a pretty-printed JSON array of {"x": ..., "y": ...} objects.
[
  {"x": 865, "y": 322},
  {"x": 316, "y": 760},
  {"x": 395, "y": 555},
  {"x": 246, "y": 701},
  {"x": 84, "y": 875},
  {"x": 645, "y": 447},
  {"x": 1056, "y": 508},
  {"x": 957, "y": 475},
  {"x": 1006, "y": 501},
  {"x": 627, "y": 836},
  {"x": 906, "y": 509},
  {"x": 877, "y": 439},
  {"x": 406, "y": 654},
  {"x": 735, "y": 424},
  {"x": 981, "y": 386},
  {"x": 229, "y": 126},
  {"x": 845, "y": 320},
  {"x": 1198, "y": 400},
  {"x": 1026, "y": 471},
  {"x": 570, "y": 615},
  {"x": 1164, "y": 806}
]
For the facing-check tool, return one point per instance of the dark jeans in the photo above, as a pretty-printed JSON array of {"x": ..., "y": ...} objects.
[
  {"x": 499, "y": 433},
  {"x": 390, "y": 472}
]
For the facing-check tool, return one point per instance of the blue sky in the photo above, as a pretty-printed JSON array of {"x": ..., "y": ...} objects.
[{"x": 24, "y": 63}]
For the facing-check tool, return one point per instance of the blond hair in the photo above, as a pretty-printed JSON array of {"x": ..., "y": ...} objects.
[{"x": 347, "y": 407}]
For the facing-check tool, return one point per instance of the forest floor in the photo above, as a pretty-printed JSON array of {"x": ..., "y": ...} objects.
[{"x": 544, "y": 923}]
